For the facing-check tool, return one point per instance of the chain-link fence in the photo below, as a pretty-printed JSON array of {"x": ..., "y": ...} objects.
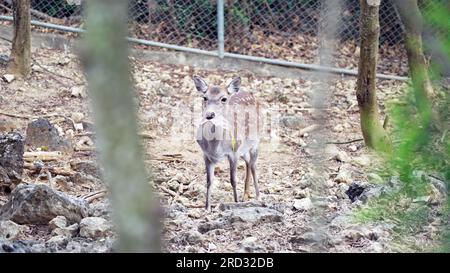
[{"x": 274, "y": 29}]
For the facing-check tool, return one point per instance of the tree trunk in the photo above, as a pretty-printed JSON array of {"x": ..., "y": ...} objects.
[
  {"x": 374, "y": 134},
  {"x": 418, "y": 68},
  {"x": 20, "y": 60},
  {"x": 134, "y": 209}
]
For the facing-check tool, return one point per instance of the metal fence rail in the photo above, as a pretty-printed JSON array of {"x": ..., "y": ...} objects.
[{"x": 283, "y": 32}]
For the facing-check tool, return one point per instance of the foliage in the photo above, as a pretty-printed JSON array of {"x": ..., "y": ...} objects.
[{"x": 420, "y": 147}]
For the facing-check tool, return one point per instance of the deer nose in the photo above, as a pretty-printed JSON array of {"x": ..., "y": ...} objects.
[{"x": 210, "y": 115}]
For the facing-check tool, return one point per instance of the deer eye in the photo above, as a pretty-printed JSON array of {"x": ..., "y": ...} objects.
[
  {"x": 205, "y": 98},
  {"x": 224, "y": 100}
]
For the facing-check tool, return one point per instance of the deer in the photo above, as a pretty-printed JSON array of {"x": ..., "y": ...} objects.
[{"x": 229, "y": 129}]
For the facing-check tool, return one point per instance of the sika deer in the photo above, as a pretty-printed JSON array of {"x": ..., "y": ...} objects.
[{"x": 229, "y": 128}]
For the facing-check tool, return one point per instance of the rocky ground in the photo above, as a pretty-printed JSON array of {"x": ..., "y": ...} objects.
[{"x": 53, "y": 198}]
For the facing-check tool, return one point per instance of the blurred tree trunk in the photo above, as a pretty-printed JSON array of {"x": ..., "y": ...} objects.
[
  {"x": 418, "y": 68},
  {"x": 374, "y": 134},
  {"x": 106, "y": 62},
  {"x": 20, "y": 60}
]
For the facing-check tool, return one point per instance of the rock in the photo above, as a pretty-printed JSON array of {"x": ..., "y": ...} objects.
[
  {"x": 175, "y": 210},
  {"x": 342, "y": 191},
  {"x": 7, "y": 126},
  {"x": 41, "y": 133},
  {"x": 10, "y": 230},
  {"x": 342, "y": 157},
  {"x": 13, "y": 247},
  {"x": 362, "y": 160},
  {"x": 375, "y": 247},
  {"x": 77, "y": 117},
  {"x": 302, "y": 193},
  {"x": 234, "y": 205},
  {"x": 94, "y": 227},
  {"x": 11, "y": 159},
  {"x": 354, "y": 191},
  {"x": 305, "y": 238},
  {"x": 292, "y": 121},
  {"x": 38, "y": 204},
  {"x": 331, "y": 151},
  {"x": 353, "y": 148},
  {"x": 68, "y": 232},
  {"x": 211, "y": 247},
  {"x": 100, "y": 209},
  {"x": 62, "y": 182},
  {"x": 173, "y": 185},
  {"x": 375, "y": 178},
  {"x": 193, "y": 237},
  {"x": 206, "y": 226},
  {"x": 305, "y": 181},
  {"x": 8, "y": 78},
  {"x": 255, "y": 215},
  {"x": 338, "y": 128},
  {"x": 78, "y": 127},
  {"x": 304, "y": 204},
  {"x": 78, "y": 91},
  {"x": 57, "y": 240},
  {"x": 58, "y": 222},
  {"x": 86, "y": 166},
  {"x": 251, "y": 245},
  {"x": 343, "y": 176},
  {"x": 82, "y": 179}
]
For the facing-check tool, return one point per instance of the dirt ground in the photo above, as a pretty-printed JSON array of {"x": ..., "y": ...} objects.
[{"x": 57, "y": 85}]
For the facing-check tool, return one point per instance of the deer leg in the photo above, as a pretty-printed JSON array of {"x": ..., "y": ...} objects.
[
  {"x": 247, "y": 178},
  {"x": 253, "y": 159},
  {"x": 233, "y": 170},
  {"x": 209, "y": 181}
]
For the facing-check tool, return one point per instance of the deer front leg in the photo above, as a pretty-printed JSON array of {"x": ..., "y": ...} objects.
[
  {"x": 233, "y": 170},
  {"x": 209, "y": 181}
]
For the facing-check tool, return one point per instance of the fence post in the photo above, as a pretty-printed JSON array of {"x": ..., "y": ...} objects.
[{"x": 220, "y": 28}]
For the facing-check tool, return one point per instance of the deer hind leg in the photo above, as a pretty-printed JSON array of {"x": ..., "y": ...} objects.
[
  {"x": 248, "y": 175},
  {"x": 253, "y": 159}
]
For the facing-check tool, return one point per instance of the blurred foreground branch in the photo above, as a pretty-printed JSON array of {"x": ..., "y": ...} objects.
[{"x": 106, "y": 61}]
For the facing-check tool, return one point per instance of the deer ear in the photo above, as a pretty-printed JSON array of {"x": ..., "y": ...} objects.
[
  {"x": 234, "y": 85},
  {"x": 200, "y": 84}
]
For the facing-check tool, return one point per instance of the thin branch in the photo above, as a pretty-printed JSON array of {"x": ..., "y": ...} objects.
[{"x": 346, "y": 142}]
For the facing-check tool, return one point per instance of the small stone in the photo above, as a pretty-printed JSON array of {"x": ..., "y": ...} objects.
[
  {"x": 362, "y": 160},
  {"x": 68, "y": 232},
  {"x": 94, "y": 227},
  {"x": 77, "y": 117},
  {"x": 78, "y": 91},
  {"x": 78, "y": 126},
  {"x": 353, "y": 148},
  {"x": 302, "y": 193},
  {"x": 58, "y": 240},
  {"x": 304, "y": 204},
  {"x": 86, "y": 166},
  {"x": 10, "y": 230},
  {"x": 375, "y": 178},
  {"x": 193, "y": 237},
  {"x": 8, "y": 78},
  {"x": 338, "y": 128},
  {"x": 251, "y": 245},
  {"x": 58, "y": 222},
  {"x": 343, "y": 176},
  {"x": 342, "y": 156},
  {"x": 255, "y": 215},
  {"x": 211, "y": 247}
]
